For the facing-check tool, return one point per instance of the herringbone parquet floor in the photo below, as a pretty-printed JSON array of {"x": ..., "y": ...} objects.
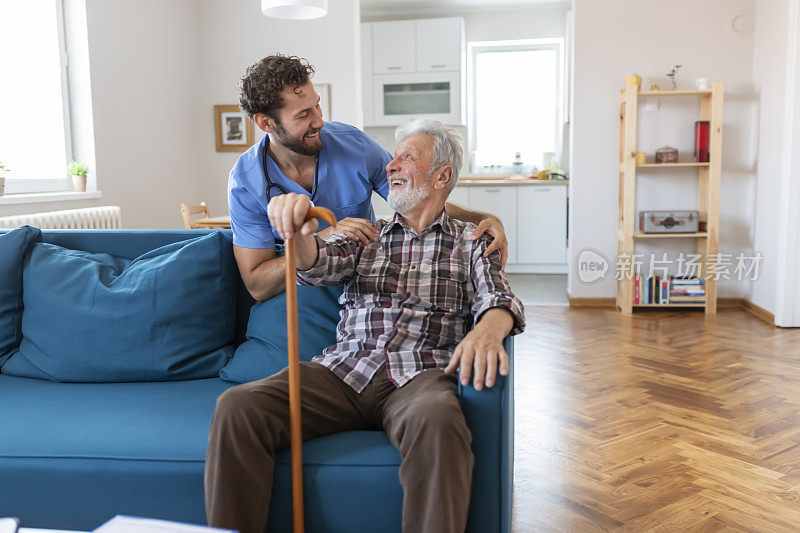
[{"x": 660, "y": 421}]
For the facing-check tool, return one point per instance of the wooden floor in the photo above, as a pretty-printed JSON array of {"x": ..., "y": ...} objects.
[{"x": 663, "y": 421}]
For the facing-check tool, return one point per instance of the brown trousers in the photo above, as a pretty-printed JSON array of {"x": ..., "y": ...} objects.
[{"x": 422, "y": 419}]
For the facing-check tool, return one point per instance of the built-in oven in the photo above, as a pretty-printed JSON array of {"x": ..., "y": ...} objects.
[{"x": 399, "y": 97}]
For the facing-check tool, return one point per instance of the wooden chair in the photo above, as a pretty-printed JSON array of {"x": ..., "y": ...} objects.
[{"x": 188, "y": 210}]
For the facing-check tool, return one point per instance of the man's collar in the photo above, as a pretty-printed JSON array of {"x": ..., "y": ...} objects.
[{"x": 443, "y": 220}]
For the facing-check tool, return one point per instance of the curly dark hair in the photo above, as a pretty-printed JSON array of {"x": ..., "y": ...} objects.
[{"x": 260, "y": 87}]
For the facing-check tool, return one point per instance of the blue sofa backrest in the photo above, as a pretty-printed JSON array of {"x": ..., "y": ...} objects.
[{"x": 131, "y": 243}]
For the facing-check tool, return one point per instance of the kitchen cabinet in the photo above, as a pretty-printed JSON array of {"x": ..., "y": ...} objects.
[
  {"x": 541, "y": 211},
  {"x": 392, "y": 52},
  {"x": 413, "y": 68},
  {"x": 439, "y": 44},
  {"x": 501, "y": 202},
  {"x": 534, "y": 217},
  {"x": 459, "y": 196}
]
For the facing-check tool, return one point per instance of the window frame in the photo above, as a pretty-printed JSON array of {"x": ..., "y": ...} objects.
[
  {"x": 64, "y": 183},
  {"x": 519, "y": 45}
]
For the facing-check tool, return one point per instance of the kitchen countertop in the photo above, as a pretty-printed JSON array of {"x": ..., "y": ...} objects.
[{"x": 499, "y": 179}]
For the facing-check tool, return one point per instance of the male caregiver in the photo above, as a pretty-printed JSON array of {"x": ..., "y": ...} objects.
[
  {"x": 336, "y": 165},
  {"x": 410, "y": 300}
]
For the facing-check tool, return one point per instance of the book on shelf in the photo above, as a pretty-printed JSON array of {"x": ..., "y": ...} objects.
[
  {"x": 650, "y": 290},
  {"x": 659, "y": 290},
  {"x": 687, "y": 281}
]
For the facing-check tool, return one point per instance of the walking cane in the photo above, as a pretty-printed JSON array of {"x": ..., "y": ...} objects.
[{"x": 293, "y": 340}]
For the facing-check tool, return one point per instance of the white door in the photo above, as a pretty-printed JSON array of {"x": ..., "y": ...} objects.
[
  {"x": 543, "y": 219},
  {"x": 499, "y": 201},
  {"x": 393, "y": 46},
  {"x": 439, "y": 44}
]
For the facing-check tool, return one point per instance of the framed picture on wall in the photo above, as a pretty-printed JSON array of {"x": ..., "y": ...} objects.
[
  {"x": 232, "y": 129},
  {"x": 324, "y": 92}
]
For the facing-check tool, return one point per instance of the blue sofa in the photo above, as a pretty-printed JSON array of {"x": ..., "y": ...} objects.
[{"x": 72, "y": 455}]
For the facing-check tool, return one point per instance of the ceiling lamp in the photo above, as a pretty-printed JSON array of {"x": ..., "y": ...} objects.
[{"x": 294, "y": 9}]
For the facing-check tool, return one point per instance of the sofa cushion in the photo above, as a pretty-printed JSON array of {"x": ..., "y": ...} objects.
[
  {"x": 168, "y": 314},
  {"x": 13, "y": 246},
  {"x": 264, "y": 351},
  {"x": 74, "y": 454}
]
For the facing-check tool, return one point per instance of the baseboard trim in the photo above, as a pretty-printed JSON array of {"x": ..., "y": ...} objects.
[
  {"x": 759, "y": 311},
  {"x": 593, "y": 302},
  {"x": 727, "y": 303},
  {"x": 730, "y": 302}
]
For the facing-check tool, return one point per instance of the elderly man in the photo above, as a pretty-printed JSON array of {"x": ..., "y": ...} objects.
[{"x": 410, "y": 299}]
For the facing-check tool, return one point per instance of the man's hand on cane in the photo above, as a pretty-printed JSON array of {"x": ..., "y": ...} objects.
[{"x": 287, "y": 214}]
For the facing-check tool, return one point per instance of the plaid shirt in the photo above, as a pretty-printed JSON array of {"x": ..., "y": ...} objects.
[{"x": 409, "y": 298}]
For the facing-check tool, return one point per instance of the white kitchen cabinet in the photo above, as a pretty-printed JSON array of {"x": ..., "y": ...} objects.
[
  {"x": 459, "y": 196},
  {"x": 499, "y": 201},
  {"x": 392, "y": 46},
  {"x": 439, "y": 44},
  {"x": 541, "y": 211}
]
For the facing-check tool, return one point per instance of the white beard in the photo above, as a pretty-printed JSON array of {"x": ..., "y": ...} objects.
[{"x": 407, "y": 198}]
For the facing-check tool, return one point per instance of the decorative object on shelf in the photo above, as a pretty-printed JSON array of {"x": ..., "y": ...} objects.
[
  {"x": 634, "y": 79},
  {"x": 78, "y": 172},
  {"x": 3, "y": 169},
  {"x": 295, "y": 9},
  {"x": 232, "y": 129},
  {"x": 701, "y": 84},
  {"x": 671, "y": 75},
  {"x": 668, "y": 221},
  {"x": 667, "y": 154},
  {"x": 701, "y": 139},
  {"x": 653, "y": 86},
  {"x": 641, "y": 158}
]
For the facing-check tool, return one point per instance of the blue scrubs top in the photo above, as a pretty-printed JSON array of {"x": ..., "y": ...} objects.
[{"x": 351, "y": 166}]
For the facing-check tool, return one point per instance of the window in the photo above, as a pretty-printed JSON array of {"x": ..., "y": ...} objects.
[
  {"x": 34, "y": 105},
  {"x": 516, "y": 101}
]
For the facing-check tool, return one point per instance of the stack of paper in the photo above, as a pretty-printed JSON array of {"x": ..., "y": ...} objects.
[{"x": 132, "y": 524}]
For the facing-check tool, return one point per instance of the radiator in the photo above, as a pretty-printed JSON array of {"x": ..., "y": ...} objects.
[{"x": 102, "y": 217}]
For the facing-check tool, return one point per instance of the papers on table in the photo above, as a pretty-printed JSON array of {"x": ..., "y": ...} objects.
[{"x": 132, "y": 524}]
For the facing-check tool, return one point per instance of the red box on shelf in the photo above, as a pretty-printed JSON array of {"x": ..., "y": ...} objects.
[{"x": 701, "y": 130}]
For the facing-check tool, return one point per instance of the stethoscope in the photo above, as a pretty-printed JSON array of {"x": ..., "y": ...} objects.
[{"x": 281, "y": 188}]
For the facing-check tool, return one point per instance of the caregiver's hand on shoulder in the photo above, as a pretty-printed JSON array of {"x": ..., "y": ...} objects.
[
  {"x": 358, "y": 229},
  {"x": 493, "y": 227},
  {"x": 287, "y": 214}
]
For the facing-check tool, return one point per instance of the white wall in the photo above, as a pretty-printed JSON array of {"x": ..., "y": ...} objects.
[
  {"x": 617, "y": 37},
  {"x": 143, "y": 66},
  {"x": 769, "y": 73},
  {"x": 234, "y": 34},
  {"x": 157, "y": 69}
]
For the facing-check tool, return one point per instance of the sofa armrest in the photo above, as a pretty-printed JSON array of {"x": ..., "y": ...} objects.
[{"x": 490, "y": 418}]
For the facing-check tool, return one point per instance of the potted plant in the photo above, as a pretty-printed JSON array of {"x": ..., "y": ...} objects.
[
  {"x": 78, "y": 172},
  {"x": 3, "y": 170}
]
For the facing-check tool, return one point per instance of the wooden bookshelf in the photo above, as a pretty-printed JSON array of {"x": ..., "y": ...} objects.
[
  {"x": 668, "y": 165},
  {"x": 698, "y": 235},
  {"x": 676, "y": 304},
  {"x": 703, "y": 92},
  {"x": 708, "y": 183}
]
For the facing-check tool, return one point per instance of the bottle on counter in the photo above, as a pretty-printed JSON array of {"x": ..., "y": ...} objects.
[{"x": 518, "y": 163}]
